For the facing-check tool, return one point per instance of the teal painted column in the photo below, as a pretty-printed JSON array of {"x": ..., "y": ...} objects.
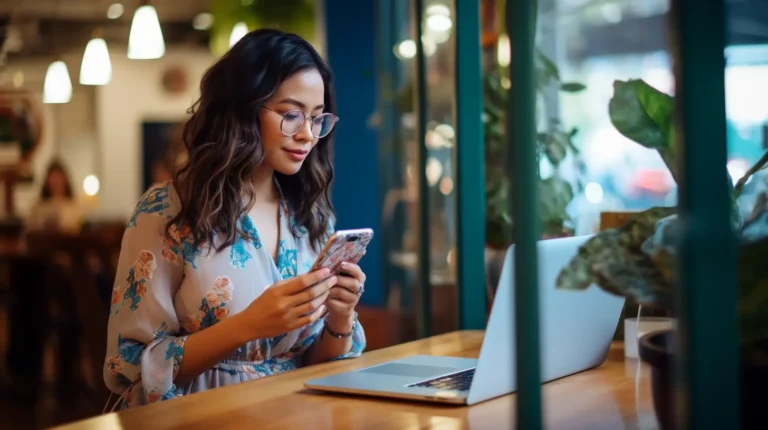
[
  {"x": 385, "y": 66},
  {"x": 424, "y": 280},
  {"x": 470, "y": 166},
  {"x": 523, "y": 165},
  {"x": 708, "y": 323},
  {"x": 355, "y": 193}
]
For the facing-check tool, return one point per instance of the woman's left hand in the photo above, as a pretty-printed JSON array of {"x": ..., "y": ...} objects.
[{"x": 343, "y": 298}]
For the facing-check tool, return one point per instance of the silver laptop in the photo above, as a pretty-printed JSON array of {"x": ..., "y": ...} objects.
[{"x": 576, "y": 329}]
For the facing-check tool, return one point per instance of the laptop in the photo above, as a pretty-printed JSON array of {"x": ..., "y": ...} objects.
[{"x": 576, "y": 329}]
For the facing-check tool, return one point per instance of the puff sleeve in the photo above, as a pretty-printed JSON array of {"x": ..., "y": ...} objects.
[{"x": 144, "y": 348}]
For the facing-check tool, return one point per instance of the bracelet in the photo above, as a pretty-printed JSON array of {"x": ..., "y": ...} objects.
[{"x": 341, "y": 335}]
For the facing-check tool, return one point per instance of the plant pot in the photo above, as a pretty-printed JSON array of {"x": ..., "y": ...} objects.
[
  {"x": 656, "y": 350},
  {"x": 494, "y": 261}
]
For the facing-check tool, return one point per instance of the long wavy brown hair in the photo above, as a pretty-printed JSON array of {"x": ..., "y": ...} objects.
[{"x": 223, "y": 143}]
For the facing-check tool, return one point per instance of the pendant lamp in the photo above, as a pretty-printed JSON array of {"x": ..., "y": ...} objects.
[
  {"x": 146, "y": 38},
  {"x": 96, "y": 68}
]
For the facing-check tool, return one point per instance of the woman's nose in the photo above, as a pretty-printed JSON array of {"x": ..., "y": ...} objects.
[{"x": 305, "y": 132}]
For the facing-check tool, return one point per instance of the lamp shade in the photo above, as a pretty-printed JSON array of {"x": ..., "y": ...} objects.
[
  {"x": 96, "y": 68},
  {"x": 57, "y": 87},
  {"x": 146, "y": 39}
]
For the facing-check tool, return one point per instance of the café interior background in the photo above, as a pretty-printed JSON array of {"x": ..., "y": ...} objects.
[{"x": 70, "y": 91}]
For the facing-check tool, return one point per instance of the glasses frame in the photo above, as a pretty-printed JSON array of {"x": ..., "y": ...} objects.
[{"x": 306, "y": 118}]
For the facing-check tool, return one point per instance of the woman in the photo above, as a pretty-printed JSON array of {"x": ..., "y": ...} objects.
[
  {"x": 57, "y": 209},
  {"x": 212, "y": 286}
]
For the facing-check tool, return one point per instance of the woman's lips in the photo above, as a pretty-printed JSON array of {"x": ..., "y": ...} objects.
[{"x": 297, "y": 154}]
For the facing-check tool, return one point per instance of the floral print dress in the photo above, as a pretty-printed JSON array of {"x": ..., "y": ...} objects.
[{"x": 166, "y": 289}]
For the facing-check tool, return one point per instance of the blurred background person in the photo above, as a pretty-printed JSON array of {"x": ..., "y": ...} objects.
[{"x": 57, "y": 209}]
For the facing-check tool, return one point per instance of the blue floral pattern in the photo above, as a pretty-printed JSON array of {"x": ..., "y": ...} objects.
[
  {"x": 286, "y": 261},
  {"x": 238, "y": 253},
  {"x": 213, "y": 306},
  {"x": 128, "y": 353},
  {"x": 181, "y": 246},
  {"x": 173, "y": 290},
  {"x": 138, "y": 278},
  {"x": 155, "y": 201},
  {"x": 175, "y": 352},
  {"x": 297, "y": 228}
]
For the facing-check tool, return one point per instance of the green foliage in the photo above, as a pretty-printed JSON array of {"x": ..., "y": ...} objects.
[
  {"x": 643, "y": 114},
  {"x": 615, "y": 261},
  {"x": 553, "y": 142},
  {"x": 639, "y": 260},
  {"x": 294, "y": 16}
]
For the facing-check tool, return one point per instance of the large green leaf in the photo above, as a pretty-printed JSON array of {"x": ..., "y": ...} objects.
[
  {"x": 613, "y": 259},
  {"x": 631, "y": 274},
  {"x": 645, "y": 115},
  {"x": 555, "y": 194}
]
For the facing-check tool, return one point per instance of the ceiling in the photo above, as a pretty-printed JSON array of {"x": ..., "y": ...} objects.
[
  {"x": 746, "y": 24},
  {"x": 30, "y": 28}
]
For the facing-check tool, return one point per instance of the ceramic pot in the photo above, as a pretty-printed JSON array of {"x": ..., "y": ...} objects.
[{"x": 656, "y": 349}]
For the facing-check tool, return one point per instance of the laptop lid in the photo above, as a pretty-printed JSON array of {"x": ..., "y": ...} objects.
[{"x": 575, "y": 327}]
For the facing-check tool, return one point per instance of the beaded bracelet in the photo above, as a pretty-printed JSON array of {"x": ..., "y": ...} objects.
[{"x": 341, "y": 335}]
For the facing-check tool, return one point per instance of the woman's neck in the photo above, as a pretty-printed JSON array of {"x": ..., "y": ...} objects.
[{"x": 264, "y": 185}]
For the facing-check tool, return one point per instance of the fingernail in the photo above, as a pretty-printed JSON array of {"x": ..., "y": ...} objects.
[
  {"x": 322, "y": 309},
  {"x": 344, "y": 265},
  {"x": 325, "y": 272},
  {"x": 333, "y": 280}
]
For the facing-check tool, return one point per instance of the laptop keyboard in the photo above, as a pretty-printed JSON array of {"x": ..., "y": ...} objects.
[{"x": 455, "y": 382}]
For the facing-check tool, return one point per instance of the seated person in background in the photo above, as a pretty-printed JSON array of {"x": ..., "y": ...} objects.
[
  {"x": 43, "y": 289},
  {"x": 213, "y": 285},
  {"x": 57, "y": 210}
]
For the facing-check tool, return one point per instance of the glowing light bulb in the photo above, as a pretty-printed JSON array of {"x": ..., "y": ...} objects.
[
  {"x": 146, "y": 39},
  {"x": 57, "y": 87},
  {"x": 91, "y": 185},
  {"x": 96, "y": 68}
]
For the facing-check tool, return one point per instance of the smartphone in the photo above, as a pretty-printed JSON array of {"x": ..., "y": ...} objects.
[{"x": 343, "y": 246}]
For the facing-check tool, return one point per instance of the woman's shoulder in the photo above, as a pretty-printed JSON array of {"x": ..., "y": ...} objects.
[{"x": 160, "y": 200}]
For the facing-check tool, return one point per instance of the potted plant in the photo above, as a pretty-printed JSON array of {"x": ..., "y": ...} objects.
[
  {"x": 638, "y": 260},
  {"x": 554, "y": 143}
]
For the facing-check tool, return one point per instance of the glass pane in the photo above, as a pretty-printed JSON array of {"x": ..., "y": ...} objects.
[
  {"x": 401, "y": 167},
  {"x": 591, "y": 57},
  {"x": 399, "y": 161},
  {"x": 439, "y": 44}
]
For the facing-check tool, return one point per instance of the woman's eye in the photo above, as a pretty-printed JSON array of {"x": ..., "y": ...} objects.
[{"x": 291, "y": 116}]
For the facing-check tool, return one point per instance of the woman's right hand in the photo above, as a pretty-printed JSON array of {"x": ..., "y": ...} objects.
[{"x": 288, "y": 305}]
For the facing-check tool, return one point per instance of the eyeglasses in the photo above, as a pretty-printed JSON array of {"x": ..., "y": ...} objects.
[{"x": 294, "y": 120}]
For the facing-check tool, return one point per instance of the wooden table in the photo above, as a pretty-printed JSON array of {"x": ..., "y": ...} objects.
[{"x": 602, "y": 398}]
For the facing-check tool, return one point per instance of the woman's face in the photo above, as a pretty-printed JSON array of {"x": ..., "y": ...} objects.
[
  {"x": 57, "y": 183},
  {"x": 305, "y": 92}
]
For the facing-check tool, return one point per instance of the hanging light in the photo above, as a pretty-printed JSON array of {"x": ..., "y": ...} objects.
[
  {"x": 146, "y": 39},
  {"x": 503, "y": 54},
  {"x": 238, "y": 32},
  {"x": 57, "y": 87},
  {"x": 96, "y": 68},
  {"x": 91, "y": 185}
]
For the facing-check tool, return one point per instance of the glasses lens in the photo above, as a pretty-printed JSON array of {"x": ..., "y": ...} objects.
[
  {"x": 322, "y": 125},
  {"x": 292, "y": 122}
]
